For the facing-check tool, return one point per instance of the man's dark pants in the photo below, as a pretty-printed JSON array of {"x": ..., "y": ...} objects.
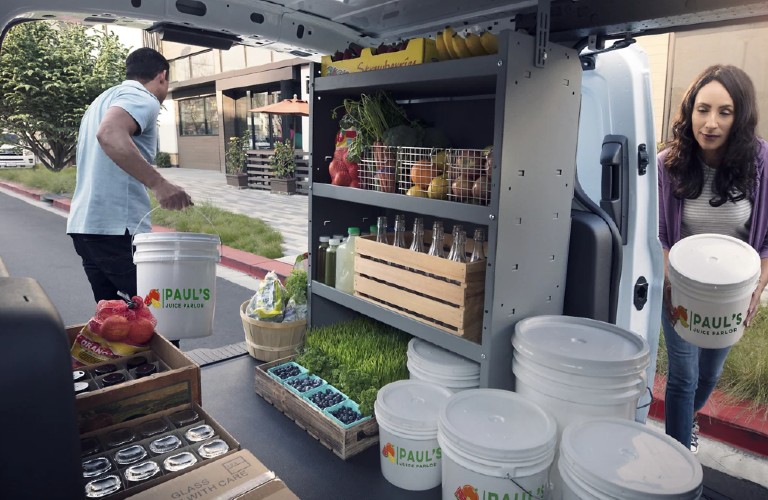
[{"x": 108, "y": 263}]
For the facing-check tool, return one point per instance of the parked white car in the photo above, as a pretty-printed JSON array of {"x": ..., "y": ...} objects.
[{"x": 16, "y": 156}]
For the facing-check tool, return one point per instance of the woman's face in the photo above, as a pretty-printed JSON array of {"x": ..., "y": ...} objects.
[{"x": 712, "y": 121}]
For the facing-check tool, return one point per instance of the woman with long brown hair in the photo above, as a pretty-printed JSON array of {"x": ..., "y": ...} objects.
[{"x": 712, "y": 179}]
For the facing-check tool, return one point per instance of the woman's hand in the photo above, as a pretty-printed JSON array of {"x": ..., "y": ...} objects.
[{"x": 754, "y": 304}]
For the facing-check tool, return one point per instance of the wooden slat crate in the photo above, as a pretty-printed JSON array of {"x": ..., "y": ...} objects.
[
  {"x": 442, "y": 293},
  {"x": 260, "y": 171},
  {"x": 345, "y": 443}
]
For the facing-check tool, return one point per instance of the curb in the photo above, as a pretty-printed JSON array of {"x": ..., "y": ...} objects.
[
  {"x": 248, "y": 263},
  {"x": 723, "y": 418}
]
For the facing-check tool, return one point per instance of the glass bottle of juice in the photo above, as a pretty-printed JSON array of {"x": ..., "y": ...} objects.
[
  {"x": 345, "y": 262},
  {"x": 330, "y": 262},
  {"x": 320, "y": 259}
]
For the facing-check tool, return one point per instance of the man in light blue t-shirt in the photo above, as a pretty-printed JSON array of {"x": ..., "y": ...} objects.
[{"x": 116, "y": 147}]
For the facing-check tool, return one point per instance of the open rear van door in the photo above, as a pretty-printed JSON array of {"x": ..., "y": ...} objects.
[{"x": 616, "y": 170}]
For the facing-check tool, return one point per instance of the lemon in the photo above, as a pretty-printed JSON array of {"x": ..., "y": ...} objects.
[
  {"x": 439, "y": 160},
  {"x": 438, "y": 188}
]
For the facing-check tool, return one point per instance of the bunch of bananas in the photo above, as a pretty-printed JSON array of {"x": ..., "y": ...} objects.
[{"x": 451, "y": 45}]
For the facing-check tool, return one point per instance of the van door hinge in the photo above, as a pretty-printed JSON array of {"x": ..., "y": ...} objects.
[
  {"x": 542, "y": 33},
  {"x": 642, "y": 159},
  {"x": 641, "y": 293}
]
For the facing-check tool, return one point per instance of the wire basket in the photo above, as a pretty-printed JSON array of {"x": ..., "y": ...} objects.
[
  {"x": 378, "y": 169},
  {"x": 468, "y": 172},
  {"x": 417, "y": 170}
]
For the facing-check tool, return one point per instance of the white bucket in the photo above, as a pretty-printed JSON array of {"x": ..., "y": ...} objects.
[
  {"x": 432, "y": 363},
  {"x": 577, "y": 368},
  {"x": 612, "y": 459},
  {"x": 713, "y": 277},
  {"x": 176, "y": 276},
  {"x": 407, "y": 412},
  {"x": 496, "y": 444}
]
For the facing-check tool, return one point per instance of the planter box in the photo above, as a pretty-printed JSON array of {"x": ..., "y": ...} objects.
[
  {"x": 444, "y": 294},
  {"x": 418, "y": 50},
  {"x": 344, "y": 442},
  {"x": 239, "y": 181},
  {"x": 283, "y": 186},
  {"x": 177, "y": 382}
]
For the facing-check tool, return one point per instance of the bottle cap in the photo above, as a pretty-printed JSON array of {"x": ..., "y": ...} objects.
[
  {"x": 353, "y": 230},
  {"x": 324, "y": 239},
  {"x": 335, "y": 242},
  {"x": 373, "y": 229},
  {"x": 339, "y": 236}
]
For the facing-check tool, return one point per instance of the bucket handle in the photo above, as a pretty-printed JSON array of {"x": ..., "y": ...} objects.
[
  {"x": 649, "y": 403},
  {"x": 221, "y": 245}
]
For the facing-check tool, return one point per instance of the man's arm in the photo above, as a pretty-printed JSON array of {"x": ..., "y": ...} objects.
[{"x": 114, "y": 136}]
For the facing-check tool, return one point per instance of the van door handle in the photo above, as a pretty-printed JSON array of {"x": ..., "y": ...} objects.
[{"x": 614, "y": 192}]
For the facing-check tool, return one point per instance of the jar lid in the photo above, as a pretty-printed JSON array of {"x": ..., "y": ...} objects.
[
  {"x": 81, "y": 387},
  {"x": 113, "y": 379},
  {"x": 324, "y": 239},
  {"x": 334, "y": 241},
  {"x": 104, "y": 369}
]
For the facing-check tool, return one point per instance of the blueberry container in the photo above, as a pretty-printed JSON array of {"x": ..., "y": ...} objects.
[
  {"x": 346, "y": 404},
  {"x": 289, "y": 365},
  {"x": 309, "y": 395},
  {"x": 296, "y": 383}
]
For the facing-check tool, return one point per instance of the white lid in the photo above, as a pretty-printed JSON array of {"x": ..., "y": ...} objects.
[
  {"x": 497, "y": 425},
  {"x": 411, "y": 404},
  {"x": 168, "y": 237},
  {"x": 435, "y": 359},
  {"x": 324, "y": 239},
  {"x": 580, "y": 345},
  {"x": 715, "y": 259},
  {"x": 334, "y": 241},
  {"x": 625, "y": 459}
]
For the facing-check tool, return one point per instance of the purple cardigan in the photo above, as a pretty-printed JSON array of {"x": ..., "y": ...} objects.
[{"x": 671, "y": 209}]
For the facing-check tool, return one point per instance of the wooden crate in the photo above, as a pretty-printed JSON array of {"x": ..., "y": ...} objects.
[
  {"x": 442, "y": 293},
  {"x": 345, "y": 443}
]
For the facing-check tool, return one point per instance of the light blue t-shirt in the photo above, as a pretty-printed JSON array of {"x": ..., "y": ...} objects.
[{"x": 107, "y": 200}]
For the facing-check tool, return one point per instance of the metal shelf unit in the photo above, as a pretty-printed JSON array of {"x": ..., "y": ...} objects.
[{"x": 530, "y": 115}]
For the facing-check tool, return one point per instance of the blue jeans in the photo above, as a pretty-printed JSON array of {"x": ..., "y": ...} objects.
[{"x": 693, "y": 374}]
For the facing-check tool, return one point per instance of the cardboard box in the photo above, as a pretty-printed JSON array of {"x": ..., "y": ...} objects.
[
  {"x": 100, "y": 434},
  {"x": 238, "y": 476},
  {"x": 418, "y": 51},
  {"x": 176, "y": 385}
]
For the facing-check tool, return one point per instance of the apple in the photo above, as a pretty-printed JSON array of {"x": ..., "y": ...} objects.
[
  {"x": 141, "y": 331},
  {"x": 115, "y": 328}
]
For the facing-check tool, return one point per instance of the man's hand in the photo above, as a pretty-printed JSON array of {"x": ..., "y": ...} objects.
[{"x": 171, "y": 197}]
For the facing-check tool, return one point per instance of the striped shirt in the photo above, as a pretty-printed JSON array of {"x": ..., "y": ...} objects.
[{"x": 731, "y": 219}]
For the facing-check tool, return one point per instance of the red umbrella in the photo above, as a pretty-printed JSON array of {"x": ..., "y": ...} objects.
[{"x": 293, "y": 106}]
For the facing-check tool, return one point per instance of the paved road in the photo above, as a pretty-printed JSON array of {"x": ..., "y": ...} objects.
[{"x": 33, "y": 244}]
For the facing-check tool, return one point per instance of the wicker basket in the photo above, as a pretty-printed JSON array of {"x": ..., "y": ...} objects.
[{"x": 268, "y": 341}]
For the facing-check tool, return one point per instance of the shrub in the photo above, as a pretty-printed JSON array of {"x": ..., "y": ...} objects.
[
  {"x": 162, "y": 160},
  {"x": 236, "y": 155}
]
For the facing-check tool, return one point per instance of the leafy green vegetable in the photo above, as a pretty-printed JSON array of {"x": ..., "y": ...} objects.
[
  {"x": 296, "y": 286},
  {"x": 358, "y": 357}
]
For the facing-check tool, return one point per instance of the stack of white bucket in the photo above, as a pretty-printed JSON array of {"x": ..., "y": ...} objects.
[{"x": 432, "y": 363}]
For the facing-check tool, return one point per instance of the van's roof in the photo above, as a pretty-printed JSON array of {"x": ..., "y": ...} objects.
[{"x": 323, "y": 26}]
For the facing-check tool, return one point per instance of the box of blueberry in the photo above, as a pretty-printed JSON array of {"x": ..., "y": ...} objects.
[{"x": 122, "y": 460}]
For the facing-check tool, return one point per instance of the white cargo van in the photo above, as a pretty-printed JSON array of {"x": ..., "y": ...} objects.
[{"x": 572, "y": 221}]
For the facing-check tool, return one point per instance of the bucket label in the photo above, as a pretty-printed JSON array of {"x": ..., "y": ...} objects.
[
  {"x": 415, "y": 459},
  {"x": 706, "y": 325},
  {"x": 178, "y": 298},
  {"x": 469, "y": 492}
]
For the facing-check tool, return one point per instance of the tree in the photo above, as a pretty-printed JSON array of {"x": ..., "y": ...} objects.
[{"x": 49, "y": 73}]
